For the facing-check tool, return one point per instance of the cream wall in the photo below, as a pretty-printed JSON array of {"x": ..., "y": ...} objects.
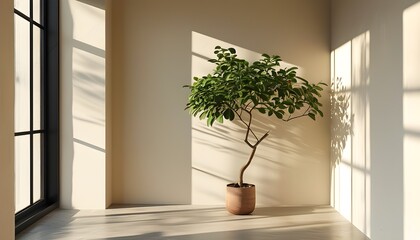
[
  {"x": 159, "y": 154},
  {"x": 84, "y": 168},
  {"x": 411, "y": 120},
  {"x": 375, "y": 58},
  {"x": 7, "y": 206}
]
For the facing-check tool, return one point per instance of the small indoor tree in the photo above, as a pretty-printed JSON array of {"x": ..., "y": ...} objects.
[{"x": 237, "y": 89}]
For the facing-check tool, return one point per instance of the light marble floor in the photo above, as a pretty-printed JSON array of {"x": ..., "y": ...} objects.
[{"x": 194, "y": 222}]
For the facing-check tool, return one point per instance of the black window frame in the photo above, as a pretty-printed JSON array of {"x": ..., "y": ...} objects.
[{"x": 49, "y": 114}]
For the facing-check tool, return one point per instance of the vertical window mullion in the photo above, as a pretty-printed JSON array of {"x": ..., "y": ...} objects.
[
  {"x": 42, "y": 13},
  {"x": 44, "y": 85},
  {"x": 31, "y": 99}
]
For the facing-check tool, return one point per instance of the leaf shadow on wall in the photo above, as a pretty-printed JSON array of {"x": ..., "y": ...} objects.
[{"x": 342, "y": 120}]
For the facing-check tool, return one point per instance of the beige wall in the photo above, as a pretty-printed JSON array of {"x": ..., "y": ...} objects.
[
  {"x": 159, "y": 154},
  {"x": 84, "y": 122},
  {"x": 375, "y": 57},
  {"x": 7, "y": 206}
]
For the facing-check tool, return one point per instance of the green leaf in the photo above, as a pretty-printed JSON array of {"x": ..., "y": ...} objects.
[
  {"x": 318, "y": 88},
  {"x": 265, "y": 97},
  {"x": 261, "y": 110},
  {"x": 220, "y": 119},
  {"x": 203, "y": 115},
  {"x": 291, "y": 69},
  {"x": 282, "y": 106},
  {"x": 232, "y": 50},
  {"x": 311, "y": 115},
  {"x": 300, "y": 78},
  {"x": 210, "y": 121},
  {"x": 288, "y": 102},
  {"x": 291, "y": 109},
  {"x": 254, "y": 100},
  {"x": 278, "y": 115},
  {"x": 232, "y": 116},
  {"x": 229, "y": 114}
]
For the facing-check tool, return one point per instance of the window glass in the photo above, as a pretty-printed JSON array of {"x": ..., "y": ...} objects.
[
  {"x": 37, "y": 11},
  {"x": 36, "y": 78},
  {"x": 22, "y": 172},
  {"x": 22, "y": 6},
  {"x": 22, "y": 75},
  {"x": 37, "y": 169}
]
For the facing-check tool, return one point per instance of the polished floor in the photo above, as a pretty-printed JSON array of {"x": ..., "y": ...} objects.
[{"x": 194, "y": 222}]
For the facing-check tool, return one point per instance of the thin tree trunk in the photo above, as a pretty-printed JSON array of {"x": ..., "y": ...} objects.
[
  {"x": 254, "y": 148},
  {"x": 241, "y": 176}
]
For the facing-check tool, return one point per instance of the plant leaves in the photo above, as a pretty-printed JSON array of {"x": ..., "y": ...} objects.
[
  {"x": 312, "y": 115},
  {"x": 261, "y": 110},
  {"x": 278, "y": 115},
  {"x": 236, "y": 84},
  {"x": 203, "y": 115},
  {"x": 220, "y": 119}
]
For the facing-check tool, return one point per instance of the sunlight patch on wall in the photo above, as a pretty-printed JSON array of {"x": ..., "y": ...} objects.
[
  {"x": 341, "y": 146},
  {"x": 361, "y": 132},
  {"x": 350, "y": 131},
  {"x": 411, "y": 115},
  {"x": 83, "y": 106}
]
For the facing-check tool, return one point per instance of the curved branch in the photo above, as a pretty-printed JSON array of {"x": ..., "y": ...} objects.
[
  {"x": 254, "y": 148},
  {"x": 248, "y": 125},
  {"x": 298, "y": 116}
]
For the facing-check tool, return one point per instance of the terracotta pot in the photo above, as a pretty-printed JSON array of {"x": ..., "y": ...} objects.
[{"x": 240, "y": 200}]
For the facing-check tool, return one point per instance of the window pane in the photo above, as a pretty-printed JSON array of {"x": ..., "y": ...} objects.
[
  {"x": 37, "y": 78},
  {"x": 37, "y": 180},
  {"x": 22, "y": 6},
  {"x": 22, "y": 172},
  {"x": 37, "y": 11},
  {"x": 22, "y": 79}
]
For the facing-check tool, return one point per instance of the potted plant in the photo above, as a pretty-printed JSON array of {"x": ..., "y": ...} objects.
[{"x": 237, "y": 89}]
